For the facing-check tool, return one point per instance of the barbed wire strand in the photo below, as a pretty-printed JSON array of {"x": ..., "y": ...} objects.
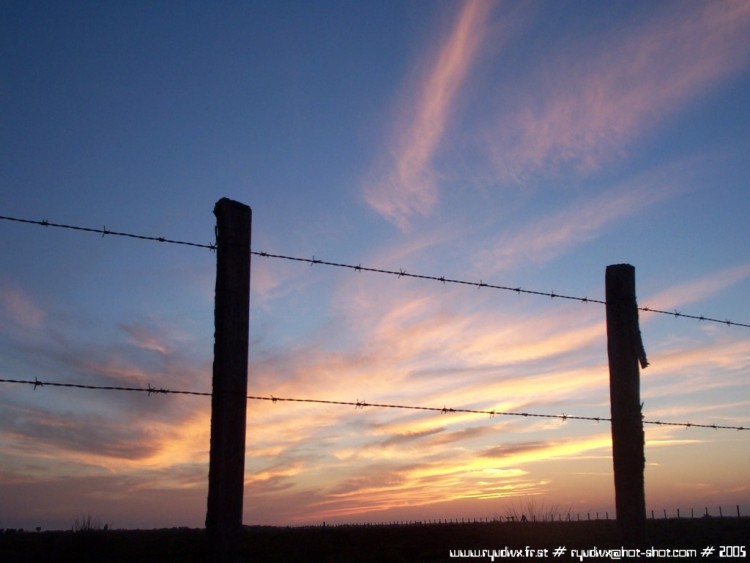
[
  {"x": 36, "y": 383},
  {"x": 400, "y": 273},
  {"x": 482, "y": 284},
  {"x": 105, "y": 231}
]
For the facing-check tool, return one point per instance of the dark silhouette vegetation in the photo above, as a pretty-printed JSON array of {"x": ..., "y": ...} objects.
[{"x": 363, "y": 543}]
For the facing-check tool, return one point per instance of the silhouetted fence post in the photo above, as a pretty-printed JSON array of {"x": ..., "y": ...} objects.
[
  {"x": 226, "y": 471},
  {"x": 625, "y": 351}
]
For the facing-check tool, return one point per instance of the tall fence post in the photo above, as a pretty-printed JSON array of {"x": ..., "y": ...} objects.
[
  {"x": 625, "y": 351},
  {"x": 226, "y": 471}
]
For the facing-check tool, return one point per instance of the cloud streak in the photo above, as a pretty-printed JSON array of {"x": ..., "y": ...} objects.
[
  {"x": 406, "y": 185},
  {"x": 428, "y": 346},
  {"x": 697, "y": 290},
  {"x": 552, "y": 235},
  {"x": 584, "y": 111},
  {"x": 19, "y": 307}
]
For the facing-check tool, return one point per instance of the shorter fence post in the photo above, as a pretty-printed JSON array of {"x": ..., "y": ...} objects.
[{"x": 625, "y": 352}]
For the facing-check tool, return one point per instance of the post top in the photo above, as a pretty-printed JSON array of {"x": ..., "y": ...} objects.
[{"x": 226, "y": 204}]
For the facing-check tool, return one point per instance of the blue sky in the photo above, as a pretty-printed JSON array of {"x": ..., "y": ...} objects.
[{"x": 522, "y": 144}]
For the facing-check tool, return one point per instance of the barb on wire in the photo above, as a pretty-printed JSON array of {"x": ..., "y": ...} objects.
[
  {"x": 677, "y": 315},
  {"x": 148, "y": 390},
  {"x": 362, "y": 404},
  {"x": 401, "y": 273},
  {"x": 105, "y": 231}
]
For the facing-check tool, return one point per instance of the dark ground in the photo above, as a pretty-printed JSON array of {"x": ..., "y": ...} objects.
[{"x": 416, "y": 542}]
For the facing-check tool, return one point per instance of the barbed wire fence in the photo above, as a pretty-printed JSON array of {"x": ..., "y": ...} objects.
[
  {"x": 401, "y": 273},
  {"x": 362, "y": 404}
]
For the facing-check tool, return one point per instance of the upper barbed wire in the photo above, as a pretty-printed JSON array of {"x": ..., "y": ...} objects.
[
  {"x": 358, "y": 405},
  {"x": 359, "y": 268},
  {"x": 105, "y": 231},
  {"x": 481, "y": 284}
]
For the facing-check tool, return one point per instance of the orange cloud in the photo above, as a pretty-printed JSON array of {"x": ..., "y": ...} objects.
[
  {"x": 406, "y": 186},
  {"x": 146, "y": 338},
  {"x": 456, "y": 475},
  {"x": 410, "y": 344}
]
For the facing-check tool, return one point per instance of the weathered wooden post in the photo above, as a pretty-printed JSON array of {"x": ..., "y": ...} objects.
[
  {"x": 226, "y": 471},
  {"x": 625, "y": 351}
]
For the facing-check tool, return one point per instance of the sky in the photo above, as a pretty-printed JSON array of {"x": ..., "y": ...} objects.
[{"x": 523, "y": 144}]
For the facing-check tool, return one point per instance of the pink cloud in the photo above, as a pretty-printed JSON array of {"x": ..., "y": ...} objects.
[
  {"x": 583, "y": 110},
  {"x": 19, "y": 306},
  {"x": 406, "y": 185},
  {"x": 697, "y": 290},
  {"x": 146, "y": 338},
  {"x": 552, "y": 235}
]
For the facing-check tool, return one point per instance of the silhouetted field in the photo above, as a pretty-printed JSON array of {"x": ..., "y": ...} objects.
[{"x": 415, "y": 542}]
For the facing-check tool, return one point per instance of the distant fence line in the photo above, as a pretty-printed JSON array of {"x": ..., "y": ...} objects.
[
  {"x": 104, "y": 231},
  {"x": 521, "y": 518},
  {"x": 497, "y": 519},
  {"x": 149, "y": 390}
]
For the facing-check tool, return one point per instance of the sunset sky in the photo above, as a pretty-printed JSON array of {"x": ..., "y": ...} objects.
[{"x": 523, "y": 144}]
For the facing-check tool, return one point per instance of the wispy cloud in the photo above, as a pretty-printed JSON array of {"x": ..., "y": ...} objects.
[
  {"x": 412, "y": 344},
  {"x": 696, "y": 290},
  {"x": 551, "y": 235},
  {"x": 362, "y": 463},
  {"x": 406, "y": 184},
  {"x": 146, "y": 338},
  {"x": 584, "y": 111},
  {"x": 443, "y": 476},
  {"x": 20, "y": 308},
  {"x": 86, "y": 431},
  {"x": 688, "y": 370}
]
